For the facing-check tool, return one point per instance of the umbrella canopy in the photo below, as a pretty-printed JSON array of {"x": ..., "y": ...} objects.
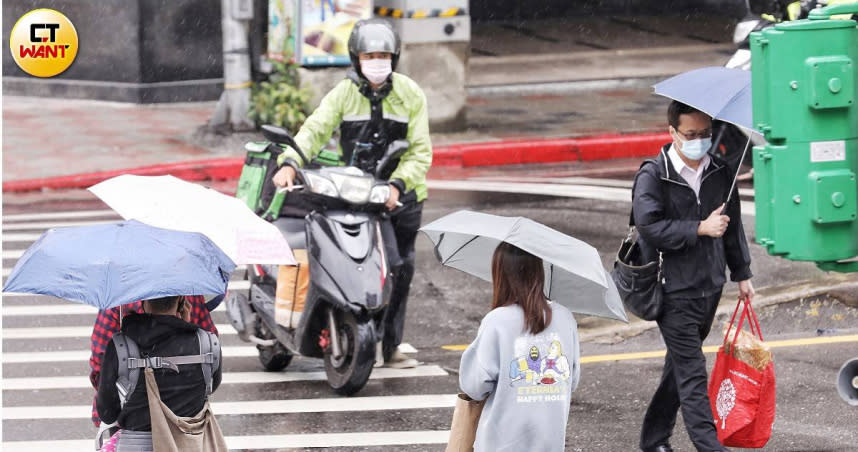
[
  {"x": 171, "y": 203},
  {"x": 720, "y": 92},
  {"x": 574, "y": 275},
  {"x": 108, "y": 265}
]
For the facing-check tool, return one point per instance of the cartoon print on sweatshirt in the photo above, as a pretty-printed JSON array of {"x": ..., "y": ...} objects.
[
  {"x": 526, "y": 367},
  {"x": 540, "y": 371},
  {"x": 555, "y": 366}
]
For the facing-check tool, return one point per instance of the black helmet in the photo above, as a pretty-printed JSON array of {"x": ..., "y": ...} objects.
[{"x": 373, "y": 35}]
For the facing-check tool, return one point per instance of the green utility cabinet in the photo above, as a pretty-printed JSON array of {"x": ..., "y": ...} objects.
[{"x": 804, "y": 83}]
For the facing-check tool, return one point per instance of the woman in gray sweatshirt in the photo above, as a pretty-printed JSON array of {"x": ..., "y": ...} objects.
[{"x": 524, "y": 362}]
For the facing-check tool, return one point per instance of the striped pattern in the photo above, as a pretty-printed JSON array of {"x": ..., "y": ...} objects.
[{"x": 46, "y": 344}]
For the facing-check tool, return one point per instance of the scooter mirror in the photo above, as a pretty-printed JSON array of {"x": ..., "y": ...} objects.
[
  {"x": 280, "y": 135},
  {"x": 392, "y": 154}
]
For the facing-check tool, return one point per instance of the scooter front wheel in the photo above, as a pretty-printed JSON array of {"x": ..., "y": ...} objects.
[{"x": 349, "y": 374}]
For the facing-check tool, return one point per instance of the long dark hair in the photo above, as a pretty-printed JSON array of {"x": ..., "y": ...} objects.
[{"x": 519, "y": 278}]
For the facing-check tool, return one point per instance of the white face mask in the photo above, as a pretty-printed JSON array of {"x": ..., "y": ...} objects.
[
  {"x": 376, "y": 70},
  {"x": 694, "y": 149}
]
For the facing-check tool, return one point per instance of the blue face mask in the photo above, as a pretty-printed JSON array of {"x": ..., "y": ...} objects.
[{"x": 695, "y": 149}]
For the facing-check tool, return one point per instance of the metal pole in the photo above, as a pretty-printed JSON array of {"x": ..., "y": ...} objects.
[{"x": 234, "y": 102}]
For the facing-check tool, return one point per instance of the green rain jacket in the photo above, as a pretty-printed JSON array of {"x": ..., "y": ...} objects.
[{"x": 402, "y": 115}]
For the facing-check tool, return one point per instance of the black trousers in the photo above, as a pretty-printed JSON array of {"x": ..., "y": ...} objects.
[
  {"x": 684, "y": 324},
  {"x": 405, "y": 222}
]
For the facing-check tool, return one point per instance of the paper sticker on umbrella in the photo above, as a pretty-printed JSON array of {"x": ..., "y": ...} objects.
[{"x": 726, "y": 400}]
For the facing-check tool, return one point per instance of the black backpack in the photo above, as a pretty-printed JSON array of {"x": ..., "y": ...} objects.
[{"x": 130, "y": 362}]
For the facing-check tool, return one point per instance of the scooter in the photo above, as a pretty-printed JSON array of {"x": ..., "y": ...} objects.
[{"x": 348, "y": 241}]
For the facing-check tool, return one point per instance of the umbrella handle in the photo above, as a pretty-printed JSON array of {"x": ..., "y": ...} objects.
[{"x": 288, "y": 190}]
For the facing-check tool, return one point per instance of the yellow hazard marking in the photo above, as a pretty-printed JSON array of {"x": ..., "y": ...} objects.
[
  {"x": 455, "y": 348},
  {"x": 419, "y": 13},
  {"x": 707, "y": 349},
  {"x": 237, "y": 85}
]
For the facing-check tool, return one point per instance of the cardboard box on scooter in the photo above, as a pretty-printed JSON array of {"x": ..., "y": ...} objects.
[{"x": 292, "y": 285}]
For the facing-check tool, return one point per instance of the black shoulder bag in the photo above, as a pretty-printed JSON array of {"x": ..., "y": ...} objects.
[{"x": 639, "y": 283}]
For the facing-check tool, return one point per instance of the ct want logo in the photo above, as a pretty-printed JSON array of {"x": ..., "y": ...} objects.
[{"x": 43, "y": 42}]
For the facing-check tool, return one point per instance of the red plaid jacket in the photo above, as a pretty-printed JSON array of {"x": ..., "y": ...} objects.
[{"x": 107, "y": 323}]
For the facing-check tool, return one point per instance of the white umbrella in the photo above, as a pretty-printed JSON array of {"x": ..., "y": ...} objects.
[
  {"x": 574, "y": 275},
  {"x": 171, "y": 203}
]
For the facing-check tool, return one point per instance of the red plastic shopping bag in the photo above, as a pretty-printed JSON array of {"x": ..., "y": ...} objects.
[{"x": 742, "y": 397}]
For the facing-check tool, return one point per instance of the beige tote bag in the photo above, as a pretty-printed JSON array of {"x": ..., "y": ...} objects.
[
  {"x": 463, "y": 430},
  {"x": 171, "y": 433}
]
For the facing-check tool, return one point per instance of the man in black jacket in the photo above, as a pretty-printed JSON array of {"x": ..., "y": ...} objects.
[
  {"x": 679, "y": 211},
  {"x": 162, "y": 330}
]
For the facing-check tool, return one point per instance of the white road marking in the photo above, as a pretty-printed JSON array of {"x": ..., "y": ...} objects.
[
  {"x": 67, "y": 332},
  {"x": 83, "y": 355},
  {"x": 571, "y": 191},
  {"x": 329, "y": 405},
  {"x": 253, "y": 442},
  {"x": 236, "y": 351},
  {"x": 48, "y": 309},
  {"x": 82, "y": 382},
  {"x": 547, "y": 189},
  {"x": 60, "y": 215},
  {"x": 20, "y": 237},
  {"x": 51, "y": 224},
  {"x": 233, "y": 285},
  {"x": 12, "y": 254}
]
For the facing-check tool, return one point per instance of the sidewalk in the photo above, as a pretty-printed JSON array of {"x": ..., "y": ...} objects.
[{"x": 48, "y": 138}]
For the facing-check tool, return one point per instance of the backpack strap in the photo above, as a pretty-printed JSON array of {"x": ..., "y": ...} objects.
[
  {"x": 130, "y": 362},
  {"x": 209, "y": 347},
  {"x": 126, "y": 353},
  {"x": 631, "y": 211}
]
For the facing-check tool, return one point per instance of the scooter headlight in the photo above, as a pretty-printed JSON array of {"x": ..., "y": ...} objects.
[
  {"x": 380, "y": 194},
  {"x": 321, "y": 186},
  {"x": 354, "y": 189}
]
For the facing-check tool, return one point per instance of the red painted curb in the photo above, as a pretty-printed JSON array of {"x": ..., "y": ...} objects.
[
  {"x": 491, "y": 153},
  {"x": 215, "y": 169}
]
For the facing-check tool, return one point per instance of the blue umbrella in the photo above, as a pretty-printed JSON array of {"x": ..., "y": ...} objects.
[
  {"x": 108, "y": 265},
  {"x": 720, "y": 92}
]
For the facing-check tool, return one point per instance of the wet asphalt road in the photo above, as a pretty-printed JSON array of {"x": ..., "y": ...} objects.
[{"x": 445, "y": 309}]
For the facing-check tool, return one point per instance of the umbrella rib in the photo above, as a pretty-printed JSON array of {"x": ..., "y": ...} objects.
[
  {"x": 550, "y": 278},
  {"x": 458, "y": 249}
]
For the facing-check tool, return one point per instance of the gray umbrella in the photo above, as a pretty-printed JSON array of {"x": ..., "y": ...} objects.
[{"x": 574, "y": 275}]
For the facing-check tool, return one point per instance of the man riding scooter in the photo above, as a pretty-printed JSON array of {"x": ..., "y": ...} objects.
[{"x": 374, "y": 107}]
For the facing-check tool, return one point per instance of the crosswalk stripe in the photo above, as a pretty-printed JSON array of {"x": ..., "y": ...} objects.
[
  {"x": 233, "y": 285},
  {"x": 328, "y": 405},
  {"x": 564, "y": 190},
  {"x": 56, "y": 332},
  {"x": 64, "y": 309},
  {"x": 81, "y": 382},
  {"x": 236, "y": 351},
  {"x": 48, "y": 309},
  {"x": 21, "y": 237},
  {"x": 253, "y": 442},
  {"x": 12, "y": 254},
  {"x": 52, "y": 224},
  {"x": 83, "y": 355},
  {"x": 59, "y": 215}
]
